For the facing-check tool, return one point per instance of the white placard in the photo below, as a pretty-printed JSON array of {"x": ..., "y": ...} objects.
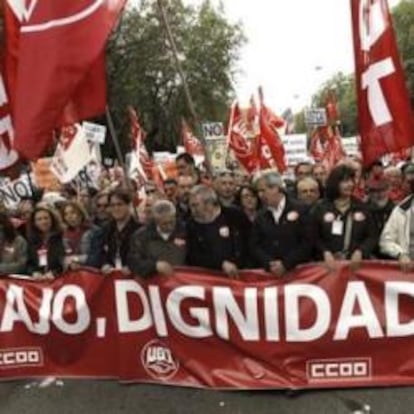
[
  {"x": 94, "y": 132},
  {"x": 295, "y": 148},
  {"x": 213, "y": 130},
  {"x": 350, "y": 146},
  {"x": 13, "y": 191},
  {"x": 316, "y": 117}
]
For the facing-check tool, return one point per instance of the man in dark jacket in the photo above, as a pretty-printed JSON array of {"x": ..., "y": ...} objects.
[
  {"x": 216, "y": 235},
  {"x": 160, "y": 245},
  {"x": 278, "y": 239}
]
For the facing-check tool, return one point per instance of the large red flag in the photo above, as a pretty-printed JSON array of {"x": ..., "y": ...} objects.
[
  {"x": 237, "y": 140},
  {"x": 269, "y": 145},
  {"x": 385, "y": 116},
  {"x": 191, "y": 143},
  {"x": 8, "y": 156},
  {"x": 60, "y": 66}
]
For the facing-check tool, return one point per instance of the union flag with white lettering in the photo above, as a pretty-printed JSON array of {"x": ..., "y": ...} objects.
[{"x": 385, "y": 118}]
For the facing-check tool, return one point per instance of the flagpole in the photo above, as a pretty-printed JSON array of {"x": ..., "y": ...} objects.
[
  {"x": 181, "y": 72},
  {"x": 115, "y": 141},
  {"x": 229, "y": 130}
]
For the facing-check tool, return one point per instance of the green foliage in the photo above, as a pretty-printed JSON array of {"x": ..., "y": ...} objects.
[
  {"x": 403, "y": 17},
  {"x": 142, "y": 72},
  {"x": 344, "y": 89},
  {"x": 344, "y": 85}
]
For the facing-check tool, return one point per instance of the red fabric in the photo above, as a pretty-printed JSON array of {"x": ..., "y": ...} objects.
[
  {"x": 397, "y": 194},
  {"x": 138, "y": 137},
  {"x": 326, "y": 146},
  {"x": 332, "y": 110},
  {"x": 269, "y": 145},
  {"x": 385, "y": 117},
  {"x": 238, "y": 141},
  {"x": 314, "y": 328},
  {"x": 191, "y": 143},
  {"x": 61, "y": 72}
]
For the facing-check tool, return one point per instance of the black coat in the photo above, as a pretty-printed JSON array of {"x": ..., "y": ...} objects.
[
  {"x": 286, "y": 241},
  {"x": 209, "y": 245},
  {"x": 106, "y": 242},
  {"x": 55, "y": 254},
  {"x": 364, "y": 235}
]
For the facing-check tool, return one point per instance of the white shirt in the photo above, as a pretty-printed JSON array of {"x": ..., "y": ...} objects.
[
  {"x": 278, "y": 211},
  {"x": 164, "y": 236}
]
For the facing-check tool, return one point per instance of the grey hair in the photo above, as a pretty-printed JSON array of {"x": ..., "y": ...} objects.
[
  {"x": 163, "y": 207},
  {"x": 270, "y": 177},
  {"x": 223, "y": 173},
  {"x": 207, "y": 194}
]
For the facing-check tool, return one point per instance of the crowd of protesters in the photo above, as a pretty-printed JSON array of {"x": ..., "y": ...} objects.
[{"x": 227, "y": 222}]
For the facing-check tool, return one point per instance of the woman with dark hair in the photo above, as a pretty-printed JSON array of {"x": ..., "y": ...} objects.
[
  {"x": 13, "y": 248},
  {"x": 46, "y": 246},
  {"x": 342, "y": 226},
  {"x": 248, "y": 201},
  {"x": 78, "y": 232},
  {"x": 110, "y": 246}
]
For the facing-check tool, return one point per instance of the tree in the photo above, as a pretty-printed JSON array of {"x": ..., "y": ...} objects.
[
  {"x": 142, "y": 73},
  {"x": 343, "y": 87},
  {"x": 403, "y": 18}
]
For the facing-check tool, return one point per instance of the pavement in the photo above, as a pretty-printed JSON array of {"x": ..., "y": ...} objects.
[{"x": 81, "y": 396}]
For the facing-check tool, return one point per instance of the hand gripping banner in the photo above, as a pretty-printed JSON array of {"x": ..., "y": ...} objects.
[{"x": 311, "y": 329}]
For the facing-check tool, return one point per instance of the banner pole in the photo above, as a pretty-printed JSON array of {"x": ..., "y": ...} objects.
[
  {"x": 115, "y": 141},
  {"x": 181, "y": 72}
]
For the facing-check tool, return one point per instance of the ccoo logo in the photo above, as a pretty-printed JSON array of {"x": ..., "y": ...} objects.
[
  {"x": 158, "y": 360},
  {"x": 40, "y": 15}
]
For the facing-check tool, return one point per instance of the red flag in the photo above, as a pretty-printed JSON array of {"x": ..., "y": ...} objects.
[
  {"x": 326, "y": 146},
  {"x": 385, "y": 117},
  {"x": 332, "y": 110},
  {"x": 145, "y": 163},
  {"x": 191, "y": 143},
  {"x": 252, "y": 116},
  {"x": 237, "y": 140},
  {"x": 269, "y": 146},
  {"x": 60, "y": 69},
  {"x": 8, "y": 157}
]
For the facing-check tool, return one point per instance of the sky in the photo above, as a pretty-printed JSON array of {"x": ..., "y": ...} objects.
[{"x": 287, "y": 41}]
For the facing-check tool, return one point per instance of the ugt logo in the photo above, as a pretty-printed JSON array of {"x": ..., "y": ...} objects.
[
  {"x": 38, "y": 16},
  {"x": 158, "y": 360}
]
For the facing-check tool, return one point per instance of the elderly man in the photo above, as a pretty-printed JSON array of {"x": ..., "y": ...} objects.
[
  {"x": 279, "y": 239},
  {"x": 225, "y": 186},
  {"x": 160, "y": 245},
  {"x": 397, "y": 238},
  {"x": 308, "y": 191},
  {"x": 217, "y": 235}
]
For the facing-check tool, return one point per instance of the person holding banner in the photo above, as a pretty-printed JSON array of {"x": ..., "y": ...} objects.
[
  {"x": 397, "y": 238},
  {"x": 13, "y": 248},
  {"x": 217, "y": 236},
  {"x": 278, "y": 240},
  {"x": 77, "y": 232},
  {"x": 46, "y": 251},
  {"x": 110, "y": 246},
  {"x": 342, "y": 227},
  {"x": 160, "y": 245}
]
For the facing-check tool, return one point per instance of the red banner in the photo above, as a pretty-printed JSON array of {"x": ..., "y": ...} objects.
[
  {"x": 310, "y": 329},
  {"x": 384, "y": 111}
]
